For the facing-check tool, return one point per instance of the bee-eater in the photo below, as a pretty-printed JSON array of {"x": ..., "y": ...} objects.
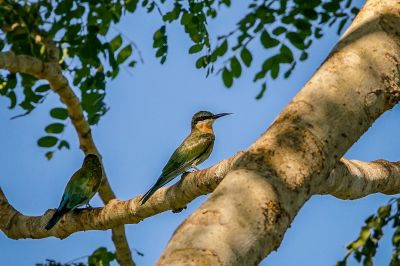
[
  {"x": 80, "y": 189},
  {"x": 195, "y": 149}
]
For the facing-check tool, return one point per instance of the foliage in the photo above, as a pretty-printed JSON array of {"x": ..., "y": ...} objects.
[
  {"x": 365, "y": 246},
  {"x": 92, "y": 51},
  {"x": 55, "y": 263},
  {"x": 79, "y": 30},
  {"x": 286, "y": 29},
  {"x": 100, "y": 257}
]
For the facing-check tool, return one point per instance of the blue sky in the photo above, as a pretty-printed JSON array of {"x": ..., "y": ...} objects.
[{"x": 149, "y": 117}]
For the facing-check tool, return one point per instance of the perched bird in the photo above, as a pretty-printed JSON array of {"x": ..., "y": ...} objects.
[
  {"x": 80, "y": 189},
  {"x": 195, "y": 149}
]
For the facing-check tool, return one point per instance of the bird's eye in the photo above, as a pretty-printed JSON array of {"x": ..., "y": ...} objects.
[{"x": 202, "y": 118}]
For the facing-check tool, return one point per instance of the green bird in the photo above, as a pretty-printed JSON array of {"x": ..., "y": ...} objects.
[
  {"x": 195, "y": 149},
  {"x": 80, "y": 189}
]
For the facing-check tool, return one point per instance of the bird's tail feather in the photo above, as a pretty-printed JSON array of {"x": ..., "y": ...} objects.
[
  {"x": 162, "y": 180},
  {"x": 149, "y": 194},
  {"x": 55, "y": 218}
]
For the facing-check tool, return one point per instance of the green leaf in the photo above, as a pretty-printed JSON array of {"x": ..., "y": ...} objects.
[
  {"x": 279, "y": 30},
  {"x": 275, "y": 71},
  {"x": 341, "y": 25},
  {"x": 226, "y": 2},
  {"x": 236, "y": 67},
  {"x": 303, "y": 56},
  {"x": 13, "y": 99},
  {"x": 63, "y": 144},
  {"x": 261, "y": 74},
  {"x": 267, "y": 41},
  {"x": 130, "y": 5},
  {"x": 132, "y": 63},
  {"x": 124, "y": 54},
  {"x": 355, "y": 10},
  {"x": 101, "y": 257},
  {"x": 219, "y": 51},
  {"x": 263, "y": 90},
  {"x": 47, "y": 141},
  {"x": 303, "y": 25},
  {"x": 116, "y": 43},
  {"x": 42, "y": 88},
  {"x": 246, "y": 56},
  {"x": 59, "y": 113},
  {"x": 227, "y": 78},
  {"x": 195, "y": 48},
  {"x": 55, "y": 128},
  {"x": 202, "y": 62},
  {"x": 159, "y": 34},
  {"x": 270, "y": 62},
  {"x": 49, "y": 155},
  {"x": 289, "y": 71},
  {"x": 223, "y": 48},
  {"x": 186, "y": 18},
  {"x": 384, "y": 211},
  {"x": 331, "y": 6},
  {"x": 286, "y": 55},
  {"x": 318, "y": 33},
  {"x": 296, "y": 40}
]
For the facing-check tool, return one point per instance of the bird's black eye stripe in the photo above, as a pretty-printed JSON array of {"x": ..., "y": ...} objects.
[{"x": 202, "y": 118}]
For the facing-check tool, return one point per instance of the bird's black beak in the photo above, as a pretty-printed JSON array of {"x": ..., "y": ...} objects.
[{"x": 220, "y": 115}]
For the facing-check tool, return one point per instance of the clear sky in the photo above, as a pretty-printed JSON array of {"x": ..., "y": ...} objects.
[{"x": 149, "y": 117}]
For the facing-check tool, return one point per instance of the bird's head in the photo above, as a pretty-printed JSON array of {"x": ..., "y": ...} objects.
[
  {"x": 203, "y": 120},
  {"x": 92, "y": 159}
]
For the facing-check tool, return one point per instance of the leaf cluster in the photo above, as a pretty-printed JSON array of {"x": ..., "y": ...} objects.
[
  {"x": 364, "y": 248},
  {"x": 286, "y": 29},
  {"x": 100, "y": 257},
  {"x": 79, "y": 31}
]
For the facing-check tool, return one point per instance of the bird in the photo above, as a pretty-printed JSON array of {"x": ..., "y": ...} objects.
[
  {"x": 80, "y": 189},
  {"x": 195, "y": 149}
]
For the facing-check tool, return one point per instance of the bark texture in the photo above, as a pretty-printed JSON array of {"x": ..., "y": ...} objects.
[{"x": 249, "y": 212}]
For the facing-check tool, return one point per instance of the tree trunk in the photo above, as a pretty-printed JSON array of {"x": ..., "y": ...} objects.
[{"x": 247, "y": 215}]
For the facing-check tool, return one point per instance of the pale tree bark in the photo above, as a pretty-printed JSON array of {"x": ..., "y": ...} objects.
[
  {"x": 348, "y": 180},
  {"x": 247, "y": 215},
  {"x": 257, "y": 192}
]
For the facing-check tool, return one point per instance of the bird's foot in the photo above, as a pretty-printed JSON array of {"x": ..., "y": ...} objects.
[
  {"x": 185, "y": 174},
  {"x": 195, "y": 168},
  {"x": 89, "y": 206},
  {"x": 179, "y": 209}
]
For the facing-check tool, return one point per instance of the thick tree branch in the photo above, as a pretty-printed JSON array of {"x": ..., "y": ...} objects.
[
  {"x": 51, "y": 71},
  {"x": 247, "y": 215},
  {"x": 351, "y": 179}
]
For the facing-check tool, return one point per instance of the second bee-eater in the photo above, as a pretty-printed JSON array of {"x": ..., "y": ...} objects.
[
  {"x": 195, "y": 149},
  {"x": 80, "y": 189}
]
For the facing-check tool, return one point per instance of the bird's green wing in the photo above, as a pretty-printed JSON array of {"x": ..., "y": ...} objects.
[
  {"x": 81, "y": 187},
  {"x": 192, "y": 148}
]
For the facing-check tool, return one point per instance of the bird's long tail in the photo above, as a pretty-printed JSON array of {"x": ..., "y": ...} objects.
[
  {"x": 149, "y": 194},
  {"x": 55, "y": 218},
  {"x": 160, "y": 182}
]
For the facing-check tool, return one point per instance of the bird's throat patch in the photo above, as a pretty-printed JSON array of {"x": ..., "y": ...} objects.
[{"x": 205, "y": 126}]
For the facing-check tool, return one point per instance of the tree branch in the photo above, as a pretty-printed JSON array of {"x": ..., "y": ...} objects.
[
  {"x": 349, "y": 179},
  {"x": 115, "y": 213},
  {"x": 247, "y": 215},
  {"x": 51, "y": 71}
]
